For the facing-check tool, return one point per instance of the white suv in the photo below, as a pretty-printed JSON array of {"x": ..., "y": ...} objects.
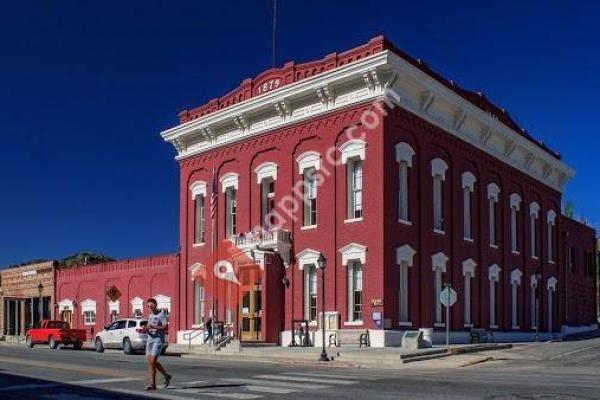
[{"x": 126, "y": 334}]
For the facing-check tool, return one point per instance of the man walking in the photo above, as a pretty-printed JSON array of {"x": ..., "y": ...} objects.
[{"x": 157, "y": 329}]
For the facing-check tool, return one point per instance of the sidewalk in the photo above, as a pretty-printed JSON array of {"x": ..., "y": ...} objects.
[{"x": 341, "y": 356}]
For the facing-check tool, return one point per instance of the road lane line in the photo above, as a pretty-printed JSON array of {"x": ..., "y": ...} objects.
[
  {"x": 152, "y": 395},
  {"x": 263, "y": 382},
  {"x": 572, "y": 352},
  {"x": 306, "y": 379}
]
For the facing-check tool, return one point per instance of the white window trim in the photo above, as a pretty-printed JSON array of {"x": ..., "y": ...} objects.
[
  {"x": 534, "y": 214},
  {"x": 404, "y": 156},
  {"x": 551, "y": 218},
  {"x": 88, "y": 305},
  {"x": 468, "y": 185},
  {"x": 309, "y": 159},
  {"x": 353, "y": 148},
  {"x": 66, "y": 305},
  {"x": 163, "y": 302},
  {"x": 228, "y": 180},
  {"x": 404, "y": 152},
  {"x": 353, "y": 251},
  {"x": 468, "y": 274},
  {"x": 307, "y": 257},
  {"x": 438, "y": 265},
  {"x": 493, "y": 275},
  {"x": 515, "y": 207},
  {"x": 350, "y": 290},
  {"x": 198, "y": 188},
  {"x": 114, "y": 306},
  {"x": 515, "y": 282},
  {"x": 439, "y": 167},
  {"x": 533, "y": 284},
  {"x": 137, "y": 303},
  {"x": 404, "y": 256},
  {"x": 266, "y": 170}
]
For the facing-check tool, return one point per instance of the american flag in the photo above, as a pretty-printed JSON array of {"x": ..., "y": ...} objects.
[{"x": 214, "y": 196}]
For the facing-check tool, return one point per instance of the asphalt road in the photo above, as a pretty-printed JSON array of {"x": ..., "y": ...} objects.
[{"x": 542, "y": 371}]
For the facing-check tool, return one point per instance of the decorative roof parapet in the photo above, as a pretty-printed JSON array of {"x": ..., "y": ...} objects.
[{"x": 373, "y": 72}]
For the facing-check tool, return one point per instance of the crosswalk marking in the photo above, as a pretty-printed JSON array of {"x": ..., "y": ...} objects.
[
  {"x": 306, "y": 379},
  {"x": 267, "y": 389},
  {"x": 101, "y": 381},
  {"x": 276, "y": 383},
  {"x": 238, "y": 396},
  {"x": 334, "y": 376},
  {"x": 192, "y": 383}
]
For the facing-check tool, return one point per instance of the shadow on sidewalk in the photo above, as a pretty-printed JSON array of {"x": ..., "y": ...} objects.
[{"x": 14, "y": 387}]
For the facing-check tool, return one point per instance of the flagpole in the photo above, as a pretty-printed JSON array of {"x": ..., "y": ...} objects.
[{"x": 214, "y": 200}]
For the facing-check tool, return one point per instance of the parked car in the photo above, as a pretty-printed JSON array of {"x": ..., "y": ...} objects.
[
  {"x": 126, "y": 334},
  {"x": 55, "y": 333}
]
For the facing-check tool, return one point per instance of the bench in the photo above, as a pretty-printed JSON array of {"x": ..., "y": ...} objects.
[
  {"x": 345, "y": 337},
  {"x": 480, "y": 335}
]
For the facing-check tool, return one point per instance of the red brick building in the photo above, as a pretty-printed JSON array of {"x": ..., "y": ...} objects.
[
  {"x": 92, "y": 296},
  {"x": 401, "y": 179}
]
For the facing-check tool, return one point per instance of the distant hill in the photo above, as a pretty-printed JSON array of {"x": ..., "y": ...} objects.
[{"x": 75, "y": 260}]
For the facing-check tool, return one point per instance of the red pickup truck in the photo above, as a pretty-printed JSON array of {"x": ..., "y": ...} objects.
[{"x": 55, "y": 333}]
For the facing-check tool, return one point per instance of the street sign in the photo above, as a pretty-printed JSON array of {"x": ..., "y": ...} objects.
[{"x": 448, "y": 297}]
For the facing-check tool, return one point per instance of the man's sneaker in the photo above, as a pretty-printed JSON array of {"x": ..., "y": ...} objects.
[{"x": 167, "y": 381}]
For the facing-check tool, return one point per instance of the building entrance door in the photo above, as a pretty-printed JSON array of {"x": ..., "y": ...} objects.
[
  {"x": 67, "y": 316},
  {"x": 251, "y": 315}
]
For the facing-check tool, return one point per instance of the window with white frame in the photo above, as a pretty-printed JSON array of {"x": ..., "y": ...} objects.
[
  {"x": 515, "y": 207},
  {"x": 354, "y": 187},
  {"x": 310, "y": 292},
  {"x": 88, "y": 309},
  {"x": 468, "y": 275},
  {"x": 266, "y": 174},
  {"x": 89, "y": 317},
  {"x": 515, "y": 282},
  {"x": 438, "y": 263},
  {"x": 230, "y": 211},
  {"x": 493, "y": 197},
  {"x": 404, "y": 158},
  {"x": 355, "y": 291},
  {"x": 353, "y": 155},
  {"x": 494, "y": 275},
  {"x": 308, "y": 165},
  {"x": 404, "y": 259},
  {"x": 551, "y": 288},
  {"x": 551, "y": 224},
  {"x": 534, "y": 210},
  {"x": 137, "y": 305},
  {"x": 229, "y": 185},
  {"x": 310, "y": 197},
  {"x": 468, "y": 184},
  {"x": 198, "y": 302},
  {"x": 438, "y": 172},
  {"x": 533, "y": 309},
  {"x": 354, "y": 257},
  {"x": 198, "y": 190}
]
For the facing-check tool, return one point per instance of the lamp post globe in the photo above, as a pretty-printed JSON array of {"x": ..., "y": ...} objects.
[{"x": 322, "y": 264}]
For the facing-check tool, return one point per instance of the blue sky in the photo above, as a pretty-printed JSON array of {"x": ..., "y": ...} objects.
[{"x": 88, "y": 86}]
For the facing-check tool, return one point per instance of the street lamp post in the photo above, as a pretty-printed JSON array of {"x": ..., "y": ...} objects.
[
  {"x": 41, "y": 303},
  {"x": 321, "y": 264},
  {"x": 538, "y": 277}
]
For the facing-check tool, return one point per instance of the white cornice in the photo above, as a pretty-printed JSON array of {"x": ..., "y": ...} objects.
[{"x": 382, "y": 76}]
